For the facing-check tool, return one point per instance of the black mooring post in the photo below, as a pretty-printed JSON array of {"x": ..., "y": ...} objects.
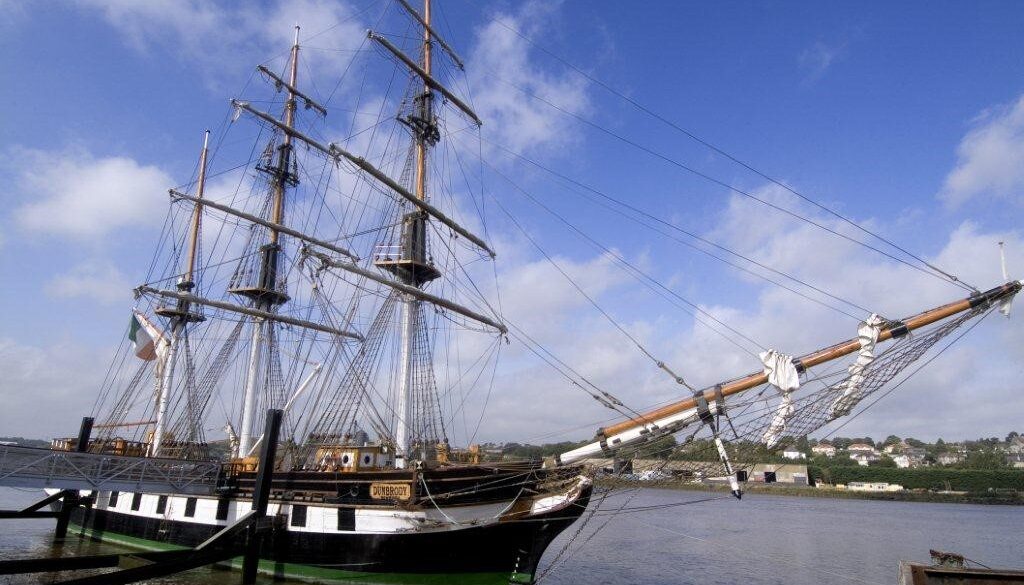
[
  {"x": 84, "y": 434},
  {"x": 261, "y": 495},
  {"x": 69, "y": 498}
]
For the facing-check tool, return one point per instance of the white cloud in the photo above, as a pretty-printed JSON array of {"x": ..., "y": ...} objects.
[
  {"x": 499, "y": 58},
  {"x": 975, "y": 371},
  {"x": 79, "y": 196},
  {"x": 60, "y": 380},
  {"x": 191, "y": 22},
  {"x": 537, "y": 299},
  {"x": 335, "y": 24},
  {"x": 536, "y": 292},
  {"x": 990, "y": 158},
  {"x": 215, "y": 38},
  {"x": 96, "y": 280},
  {"x": 818, "y": 58}
]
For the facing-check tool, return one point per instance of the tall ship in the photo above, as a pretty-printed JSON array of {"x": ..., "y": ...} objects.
[{"x": 327, "y": 287}]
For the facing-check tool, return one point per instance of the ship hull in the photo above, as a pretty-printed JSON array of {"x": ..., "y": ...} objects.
[{"x": 499, "y": 551}]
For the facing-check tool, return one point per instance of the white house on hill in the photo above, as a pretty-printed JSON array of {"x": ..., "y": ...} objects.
[{"x": 824, "y": 449}]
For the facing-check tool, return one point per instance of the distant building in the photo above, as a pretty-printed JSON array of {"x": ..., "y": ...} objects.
[
  {"x": 863, "y": 453},
  {"x": 793, "y": 453},
  {"x": 1016, "y": 445},
  {"x": 950, "y": 458},
  {"x": 902, "y": 461},
  {"x": 1015, "y": 460},
  {"x": 868, "y": 486},
  {"x": 865, "y": 458},
  {"x": 824, "y": 449},
  {"x": 907, "y": 456},
  {"x": 780, "y": 473},
  {"x": 956, "y": 448},
  {"x": 915, "y": 453}
]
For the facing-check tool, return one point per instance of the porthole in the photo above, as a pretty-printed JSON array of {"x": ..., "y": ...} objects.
[
  {"x": 366, "y": 459},
  {"x": 345, "y": 459}
]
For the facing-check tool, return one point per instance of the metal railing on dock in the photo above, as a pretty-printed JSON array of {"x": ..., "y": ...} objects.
[
  {"x": 45, "y": 468},
  {"x": 77, "y": 470}
]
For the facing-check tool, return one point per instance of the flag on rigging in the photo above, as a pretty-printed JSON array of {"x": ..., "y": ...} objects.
[{"x": 147, "y": 337}]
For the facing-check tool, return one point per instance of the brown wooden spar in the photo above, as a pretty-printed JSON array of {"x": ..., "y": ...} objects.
[
  {"x": 893, "y": 330},
  {"x": 140, "y": 423}
]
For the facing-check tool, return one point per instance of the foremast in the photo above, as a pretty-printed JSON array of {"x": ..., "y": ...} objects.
[{"x": 181, "y": 313}]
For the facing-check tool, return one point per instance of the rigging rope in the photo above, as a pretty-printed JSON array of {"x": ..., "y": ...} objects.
[
  {"x": 698, "y": 454},
  {"x": 694, "y": 309},
  {"x": 942, "y": 276},
  {"x": 584, "y": 294},
  {"x": 636, "y": 104},
  {"x": 695, "y": 236}
]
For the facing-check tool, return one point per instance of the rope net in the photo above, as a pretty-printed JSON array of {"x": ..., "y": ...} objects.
[{"x": 746, "y": 419}]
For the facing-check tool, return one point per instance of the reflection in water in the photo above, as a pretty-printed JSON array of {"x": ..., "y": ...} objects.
[{"x": 761, "y": 540}]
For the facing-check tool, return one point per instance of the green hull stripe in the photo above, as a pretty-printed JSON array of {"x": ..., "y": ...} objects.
[{"x": 320, "y": 574}]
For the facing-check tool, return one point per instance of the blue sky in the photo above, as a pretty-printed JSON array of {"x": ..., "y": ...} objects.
[{"x": 906, "y": 117}]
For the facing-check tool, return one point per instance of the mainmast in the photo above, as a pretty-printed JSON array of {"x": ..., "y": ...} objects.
[
  {"x": 180, "y": 314},
  {"x": 414, "y": 269},
  {"x": 265, "y": 294}
]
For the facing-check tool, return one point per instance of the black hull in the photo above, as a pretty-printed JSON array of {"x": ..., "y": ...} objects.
[{"x": 507, "y": 550}]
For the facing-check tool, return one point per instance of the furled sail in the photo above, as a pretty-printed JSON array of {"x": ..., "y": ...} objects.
[
  {"x": 867, "y": 334},
  {"x": 783, "y": 375}
]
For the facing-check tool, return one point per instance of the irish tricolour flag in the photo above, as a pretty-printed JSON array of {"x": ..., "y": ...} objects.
[{"x": 146, "y": 336}]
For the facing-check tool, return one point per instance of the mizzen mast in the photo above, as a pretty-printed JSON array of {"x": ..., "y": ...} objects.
[
  {"x": 409, "y": 261},
  {"x": 410, "y": 264}
]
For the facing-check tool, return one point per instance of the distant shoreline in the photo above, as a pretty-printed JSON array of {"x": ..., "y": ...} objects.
[{"x": 997, "y": 498}]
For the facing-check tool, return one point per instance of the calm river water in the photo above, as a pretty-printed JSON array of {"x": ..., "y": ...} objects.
[{"x": 762, "y": 540}]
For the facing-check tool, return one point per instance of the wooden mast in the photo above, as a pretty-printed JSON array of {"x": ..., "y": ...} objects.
[
  {"x": 286, "y": 147},
  {"x": 265, "y": 294},
  {"x": 821, "y": 356},
  {"x": 413, "y": 254},
  {"x": 426, "y": 109},
  {"x": 180, "y": 314},
  {"x": 197, "y": 211}
]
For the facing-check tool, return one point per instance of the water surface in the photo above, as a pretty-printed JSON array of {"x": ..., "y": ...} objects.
[{"x": 761, "y": 540}]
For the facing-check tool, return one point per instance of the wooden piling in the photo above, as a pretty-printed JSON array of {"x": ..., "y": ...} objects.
[{"x": 261, "y": 495}]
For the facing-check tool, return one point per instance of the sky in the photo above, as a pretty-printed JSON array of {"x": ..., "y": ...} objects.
[{"x": 906, "y": 118}]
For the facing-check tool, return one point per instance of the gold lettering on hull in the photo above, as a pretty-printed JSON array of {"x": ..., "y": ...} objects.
[{"x": 390, "y": 491}]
